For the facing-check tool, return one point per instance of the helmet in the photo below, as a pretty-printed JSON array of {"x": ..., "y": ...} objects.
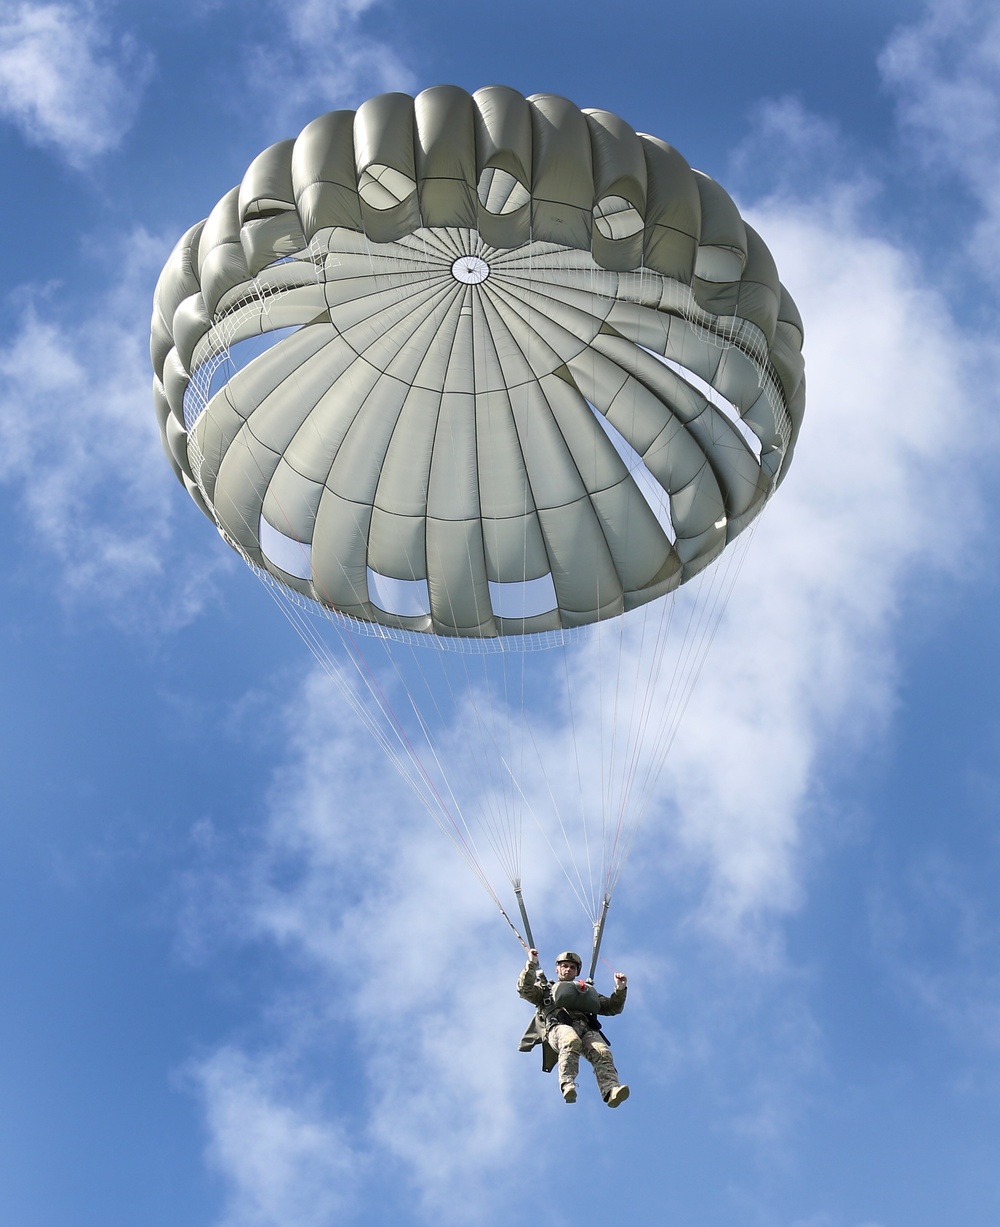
[{"x": 568, "y": 956}]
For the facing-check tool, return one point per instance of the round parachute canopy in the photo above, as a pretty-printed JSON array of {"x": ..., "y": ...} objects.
[{"x": 476, "y": 365}]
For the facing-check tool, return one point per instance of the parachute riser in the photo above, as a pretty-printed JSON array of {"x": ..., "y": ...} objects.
[
  {"x": 598, "y": 938},
  {"x": 524, "y": 917}
]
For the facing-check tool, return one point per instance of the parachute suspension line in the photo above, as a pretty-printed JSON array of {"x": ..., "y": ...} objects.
[
  {"x": 581, "y": 802},
  {"x": 720, "y": 584},
  {"x": 421, "y": 784},
  {"x": 650, "y": 659},
  {"x": 464, "y": 842},
  {"x": 582, "y": 890},
  {"x": 727, "y": 577},
  {"x": 495, "y": 835},
  {"x": 491, "y": 791},
  {"x": 631, "y": 811},
  {"x": 427, "y": 734},
  {"x": 634, "y": 739}
]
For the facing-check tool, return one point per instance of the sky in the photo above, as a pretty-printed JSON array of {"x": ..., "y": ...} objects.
[{"x": 247, "y": 982}]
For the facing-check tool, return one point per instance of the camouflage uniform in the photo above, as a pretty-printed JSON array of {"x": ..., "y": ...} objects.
[{"x": 565, "y": 1034}]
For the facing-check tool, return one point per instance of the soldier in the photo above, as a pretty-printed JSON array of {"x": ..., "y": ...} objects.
[{"x": 566, "y": 1025}]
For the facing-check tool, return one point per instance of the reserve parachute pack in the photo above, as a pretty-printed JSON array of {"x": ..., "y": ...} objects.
[{"x": 575, "y": 995}]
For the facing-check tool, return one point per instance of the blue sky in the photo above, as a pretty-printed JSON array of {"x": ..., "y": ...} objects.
[{"x": 246, "y": 981}]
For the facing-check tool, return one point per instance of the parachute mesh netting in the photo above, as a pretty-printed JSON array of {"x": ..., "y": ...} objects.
[{"x": 488, "y": 374}]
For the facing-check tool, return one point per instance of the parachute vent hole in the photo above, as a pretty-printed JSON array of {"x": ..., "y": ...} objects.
[{"x": 470, "y": 270}]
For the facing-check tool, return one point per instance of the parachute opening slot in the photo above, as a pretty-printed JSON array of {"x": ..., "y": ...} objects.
[
  {"x": 216, "y": 369},
  {"x": 523, "y": 598},
  {"x": 656, "y": 498},
  {"x": 713, "y": 396},
  {"x": 289, "y": 555},
  {"x": 406, "y": 598}
]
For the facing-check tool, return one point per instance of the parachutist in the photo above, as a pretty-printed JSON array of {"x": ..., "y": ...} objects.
[{"x": 566, "y": 1025}]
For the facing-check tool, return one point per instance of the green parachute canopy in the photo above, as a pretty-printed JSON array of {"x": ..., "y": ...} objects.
[{"x": 476, "y": 365}]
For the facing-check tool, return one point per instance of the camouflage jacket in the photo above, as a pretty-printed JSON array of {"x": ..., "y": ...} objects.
[{"x": 534, "y": 986}]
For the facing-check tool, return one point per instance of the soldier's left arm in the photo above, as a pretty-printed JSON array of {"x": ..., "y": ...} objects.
[{"x": 616, "y": 1002}]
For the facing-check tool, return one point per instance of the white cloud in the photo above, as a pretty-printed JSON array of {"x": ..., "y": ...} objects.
[
  {"x": 790, "y": 149},
  {"x": 82, "y": 453},
  {"x": 945, "y": 70},
  {"x": 355, "y": 886},
  {"x": 881, "y": 502},
  {"x": 65, "y": 81},
  {"x": 326, "y": 60},
  {"x": 285, "y": 1162}
]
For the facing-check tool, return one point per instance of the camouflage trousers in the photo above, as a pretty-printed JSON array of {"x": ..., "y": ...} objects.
[{"x": 569, "y": 1044}]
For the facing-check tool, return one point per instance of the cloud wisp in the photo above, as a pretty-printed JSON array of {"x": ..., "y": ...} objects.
[
  {"x": 326, "y": 59},
  {"x": 82, "y": 452},
  {"x": 66, "y": 82},
  {"x": 281, "y": 1154},
  {"x": 881, "y": 501},
  {"x": 361, "y": 894},
  {"x": 945, "y": 73}
]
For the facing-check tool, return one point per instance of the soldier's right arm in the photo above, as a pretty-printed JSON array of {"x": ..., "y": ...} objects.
[{"x": 527, "y": 985}]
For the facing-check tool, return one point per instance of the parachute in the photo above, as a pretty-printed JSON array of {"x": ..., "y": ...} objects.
[{"x": 486, "y": 380}]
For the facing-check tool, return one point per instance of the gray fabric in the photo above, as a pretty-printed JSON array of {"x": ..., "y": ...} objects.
[{"x": 420, "y": 429}]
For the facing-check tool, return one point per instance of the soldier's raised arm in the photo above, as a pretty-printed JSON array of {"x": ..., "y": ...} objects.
[
  {"x": 616, "y": 1002},
  {"x": 527, "y": 986}
]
